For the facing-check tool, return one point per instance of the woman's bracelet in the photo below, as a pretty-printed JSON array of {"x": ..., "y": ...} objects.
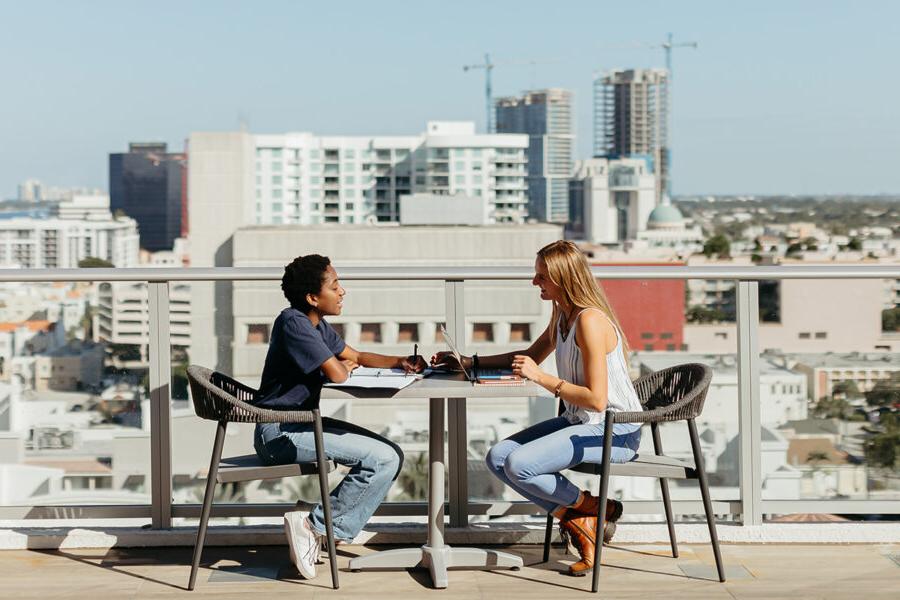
[{"x": 558, "y": 388}]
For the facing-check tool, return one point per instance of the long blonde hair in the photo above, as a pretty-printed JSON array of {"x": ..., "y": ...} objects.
[{"x": 568, "y": 268}]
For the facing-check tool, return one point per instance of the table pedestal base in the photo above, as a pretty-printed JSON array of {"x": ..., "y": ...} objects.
[{"x": 437, "y": 560}]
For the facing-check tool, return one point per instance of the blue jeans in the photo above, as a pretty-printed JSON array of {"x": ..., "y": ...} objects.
[
  {"x": 530, "y": 461},
  {"x": 373, "y": 460}
]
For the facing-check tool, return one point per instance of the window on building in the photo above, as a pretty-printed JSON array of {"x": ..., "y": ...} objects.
[
  {"x": 477, "y": 179},
  {"x": 349, "y": 153},
  {"x": 276, "y": 152},
  {"x": 276, "y": 166},
  {"x": 348, "y": 206},
  {"x": 314, "y": 154},
  {"x": 803, "y": 335},
  {"x": 670, "y": 347},
  {"x": 349, "y": 193},
  {"x": 349, "y": 179},
  {"x": 276, "y": 179},
  {"x": 665, "y": 335},
  {"x": 646, "y": 335},
  {"x": 483, "y": 332},
  {"x": 370, "y": 333},
  {"x": 277, "y": 207},
  {"x": 258, "y": 333},
  {"x": 408, "y": 332},
  {"x": 520, "y": 332},
  {"x": 721, "y": 335},
  {"x": 338, "y": 328},
  {"x": 348, "y": 167},
  {"x": 648, "y": 347},
  {"x": 276, "y": 193},
  {"x": 460, "y": 179},
  {"x": 821, "y": 335},
  {"x": 459, "y": 165},
  {"x": 438, "y": 334}
]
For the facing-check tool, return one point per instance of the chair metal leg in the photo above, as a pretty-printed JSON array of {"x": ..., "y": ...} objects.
[
  {"x": 207, "y": 499},
  {"x": 664, "y": 488},
  {"x": 707, "y": 504},
  {"x": 547, "y": 534},
  {"x": 326, "y": 498},
  {"x": 604, "y": 489}
]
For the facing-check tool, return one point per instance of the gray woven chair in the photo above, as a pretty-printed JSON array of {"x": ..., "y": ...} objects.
[
  {"x": 673, "y": 394},
  {"x": 220, "y": 398}
]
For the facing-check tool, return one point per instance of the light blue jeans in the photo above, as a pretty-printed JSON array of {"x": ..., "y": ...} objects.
[
  {"x": 373, "y": 460},
  {"x": 530, "y": 461}
]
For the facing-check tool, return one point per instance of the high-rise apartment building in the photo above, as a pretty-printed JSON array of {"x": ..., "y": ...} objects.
[
  {"x": 631, "y": 118},
  {"x": 146, "y": 184},
  {"x": 546, "y": 117},
  {"x": 305, "y": 179}
]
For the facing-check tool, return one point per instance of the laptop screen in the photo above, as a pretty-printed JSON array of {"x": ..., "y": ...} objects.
[{"x": 455, "y": 352}]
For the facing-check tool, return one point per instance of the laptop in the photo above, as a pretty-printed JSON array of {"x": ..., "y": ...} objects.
[{"x": 482, "y": 376}]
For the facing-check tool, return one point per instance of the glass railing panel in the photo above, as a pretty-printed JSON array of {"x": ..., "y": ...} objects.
[
  {"x": 383, "y": 317},
  {"x": 654, "y": 316},
  {"x": 74, "y": 395},
  {"x": 829, "y": 392}
]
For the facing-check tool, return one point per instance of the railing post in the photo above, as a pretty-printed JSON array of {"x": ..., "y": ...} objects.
[
  {"x": 749, "y": 427},
  {"x": 456, "y": 411},
  {"x": 160, "y": 423}
]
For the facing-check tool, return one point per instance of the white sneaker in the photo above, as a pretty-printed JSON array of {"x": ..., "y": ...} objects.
[{"x": 303, "y": 543}]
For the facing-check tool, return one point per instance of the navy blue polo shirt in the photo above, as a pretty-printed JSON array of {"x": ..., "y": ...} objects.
[{"x": 292, "y": 377}]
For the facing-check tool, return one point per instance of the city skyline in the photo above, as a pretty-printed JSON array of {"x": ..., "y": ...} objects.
[{"x": 770, "y": 102}]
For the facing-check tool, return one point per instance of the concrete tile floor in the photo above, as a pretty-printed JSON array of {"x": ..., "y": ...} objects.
[{"x": 629, "y": 571}]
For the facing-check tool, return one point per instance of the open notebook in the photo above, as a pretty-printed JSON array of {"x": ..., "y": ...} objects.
[
  {"x": 482, "y": 376},
  {"x": 372, "y": 378}
]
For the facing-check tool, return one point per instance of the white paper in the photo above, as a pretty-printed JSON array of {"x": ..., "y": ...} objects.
[{"x": 368, "y": 377}]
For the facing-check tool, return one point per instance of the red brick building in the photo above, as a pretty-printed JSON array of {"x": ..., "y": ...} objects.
[{"x": 651, "y": 311}]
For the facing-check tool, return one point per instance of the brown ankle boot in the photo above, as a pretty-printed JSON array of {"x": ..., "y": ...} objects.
[
  {"x": 580, "y": 530},
  {"x": 591, "y": 505}
]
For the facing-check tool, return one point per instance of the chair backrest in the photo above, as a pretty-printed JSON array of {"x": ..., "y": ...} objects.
[
  {"x": 686, "y": 384},
  {"x": 218, "y": 397}
]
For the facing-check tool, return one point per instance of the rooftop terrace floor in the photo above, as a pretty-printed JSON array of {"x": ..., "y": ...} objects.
[{"x": 792, "y": 571}]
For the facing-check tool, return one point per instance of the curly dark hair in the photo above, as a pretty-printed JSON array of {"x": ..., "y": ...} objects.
[{"x": 304, "y": 276}]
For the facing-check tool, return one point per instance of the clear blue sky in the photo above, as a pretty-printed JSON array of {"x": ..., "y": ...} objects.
[{"x": 781, "y": 97}]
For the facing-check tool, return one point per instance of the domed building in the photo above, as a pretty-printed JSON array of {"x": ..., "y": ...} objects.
[
  {"x": 666, "y": 217},
  {"x": 667, "y": 228}
]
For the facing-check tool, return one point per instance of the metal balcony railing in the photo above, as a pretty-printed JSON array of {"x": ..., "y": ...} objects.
[{"x": 750, "y": 506}]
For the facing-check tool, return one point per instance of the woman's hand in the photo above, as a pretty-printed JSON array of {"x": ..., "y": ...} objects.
[
  {"x": 349, "y": 365},
  {"x": 413, "y": 364},
  {"x": 445, "y": 360},
  {"x": 524, "y": 366}
]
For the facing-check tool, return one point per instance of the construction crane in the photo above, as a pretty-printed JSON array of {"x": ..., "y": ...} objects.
[
  {"x": 488, "y": 67},
  {"x": 668, "y": 46}
]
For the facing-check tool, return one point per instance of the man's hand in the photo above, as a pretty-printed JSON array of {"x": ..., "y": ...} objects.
[
  {"x": 413, "y": 364},
  {"x": 349, "y": 365},
  {"x": 446, "y": 360}
]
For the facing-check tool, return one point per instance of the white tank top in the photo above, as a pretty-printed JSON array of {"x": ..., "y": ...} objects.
[{"x": 570, "y": 366}]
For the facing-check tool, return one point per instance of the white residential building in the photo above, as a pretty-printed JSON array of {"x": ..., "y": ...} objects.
[
  {"x": 611, "y": 199},
  {"x": 123, "y": 313},
  {"x": 304, "y": 179},
  {"x": 59, "y": 243}
]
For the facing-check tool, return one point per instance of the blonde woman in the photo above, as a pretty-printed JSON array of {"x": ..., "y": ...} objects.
[{"x": 593, "y": 377}]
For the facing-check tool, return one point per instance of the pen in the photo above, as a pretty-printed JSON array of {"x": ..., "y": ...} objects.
[{"x": 415, "y": 353}]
